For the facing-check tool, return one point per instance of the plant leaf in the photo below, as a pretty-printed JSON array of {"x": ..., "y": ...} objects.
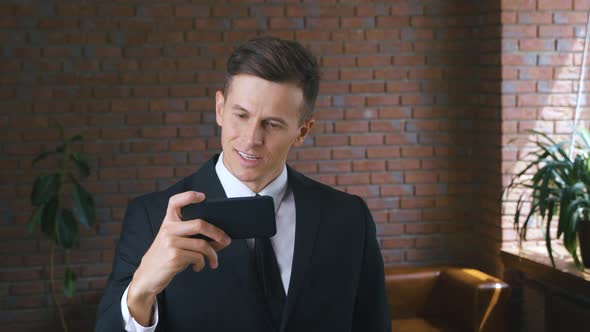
[
  {"x": 549, "y": 139},
  {"x": 69, "y": 285},
  {"x": 61, "y": 148},
  {"x": 570, "y": 237},
  {"x": 543, "y": 191},
  {"x": 571, "y": 244},
  {"x": 530, "y": 165},
  {"x": 519, "y": 204},
  {"x": 42, "y": 156},
  {"x": 54, "y": 123},
  {"x": 48, "y": 220},
  {"x": 75, "y": 138},
  {"x": 584, "y": 133},
  {"x": 563, "y": 205},
  {"x": 67, "y": 229},
  {"x": 534, "y": 208},
  {"x": 46, "y": 186},
  {"x": 573, "y": 213},
  {"x": 548, "y": 235},
  {"x": 82, "y": 204},
  {"x": 81, "y": 164},
  {"x": 35, "y": 219}
]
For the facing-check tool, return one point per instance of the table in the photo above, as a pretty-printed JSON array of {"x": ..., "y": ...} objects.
[{"x": 546, "y": 299}]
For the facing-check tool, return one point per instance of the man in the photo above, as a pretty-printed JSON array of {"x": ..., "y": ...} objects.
[{"x": 322, "y": 271}]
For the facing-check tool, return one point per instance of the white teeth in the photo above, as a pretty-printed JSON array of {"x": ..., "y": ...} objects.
[{"x": 247, "y": 156}]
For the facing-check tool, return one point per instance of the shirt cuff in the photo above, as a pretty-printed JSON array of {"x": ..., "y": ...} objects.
[{"x": 130, "y": 324}]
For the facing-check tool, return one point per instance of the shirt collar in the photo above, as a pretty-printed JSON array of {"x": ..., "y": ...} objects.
[{"x": 233, "y": 187}]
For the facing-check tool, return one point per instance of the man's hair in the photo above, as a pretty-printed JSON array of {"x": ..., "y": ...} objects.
[{"x": 280, "y": 61}]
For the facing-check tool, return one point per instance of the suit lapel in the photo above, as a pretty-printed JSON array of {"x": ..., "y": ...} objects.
[
  {"x": 206, "y": 180},
  {"x": 308, "y": 216}
]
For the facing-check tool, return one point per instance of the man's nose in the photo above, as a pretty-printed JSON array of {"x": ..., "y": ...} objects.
[{"x": 254, "y": 134}]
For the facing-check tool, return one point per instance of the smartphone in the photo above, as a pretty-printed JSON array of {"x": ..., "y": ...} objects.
[{"x": 239, "y": 218}]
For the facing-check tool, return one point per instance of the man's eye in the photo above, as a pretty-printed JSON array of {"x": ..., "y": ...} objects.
[
  {"x": 272, "y": 124},
  {"x": 241, "y": 115}
]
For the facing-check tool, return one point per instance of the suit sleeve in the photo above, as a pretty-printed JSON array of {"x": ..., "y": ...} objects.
[
  {"x": 136, "y": 237},
  {"x": 371, "y": 309}
]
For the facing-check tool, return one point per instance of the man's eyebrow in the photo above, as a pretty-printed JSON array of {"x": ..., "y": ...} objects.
[{"x": 240, "y": 108}]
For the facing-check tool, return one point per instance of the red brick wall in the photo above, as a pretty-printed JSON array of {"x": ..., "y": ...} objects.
[
  {"x": 543, "y": 43},
  {"x": 411, "y": 116}
]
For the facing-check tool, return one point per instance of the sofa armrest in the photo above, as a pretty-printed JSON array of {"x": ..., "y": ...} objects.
[
  {"x": 470, "y": 300},
  {"x": 408, "y": 289}
]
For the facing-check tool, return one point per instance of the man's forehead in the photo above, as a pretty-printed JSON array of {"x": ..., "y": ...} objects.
[{"x": 253, "y": 92}]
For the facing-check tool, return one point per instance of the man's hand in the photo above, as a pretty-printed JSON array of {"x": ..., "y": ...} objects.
[{"x": 171, "y": 252}]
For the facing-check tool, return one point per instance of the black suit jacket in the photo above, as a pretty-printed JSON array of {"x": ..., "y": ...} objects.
[{"x": 337, "y": 281}]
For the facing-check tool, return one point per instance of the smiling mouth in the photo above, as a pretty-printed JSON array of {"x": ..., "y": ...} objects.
[{"x": 248, "y": 156}]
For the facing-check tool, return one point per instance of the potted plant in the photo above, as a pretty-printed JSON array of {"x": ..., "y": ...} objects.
[
  {"x": 559, "y": 189},
  {"x": 57, "y": 222}
]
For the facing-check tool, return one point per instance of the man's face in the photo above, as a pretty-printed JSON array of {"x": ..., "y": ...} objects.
[{"x": 260, "y": 121}]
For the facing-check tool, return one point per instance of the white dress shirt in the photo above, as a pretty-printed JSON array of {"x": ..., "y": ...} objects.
[{"x": 283, "y": 242}]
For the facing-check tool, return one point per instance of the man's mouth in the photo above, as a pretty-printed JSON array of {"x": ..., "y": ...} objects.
[{"x": 248, "y": 156}]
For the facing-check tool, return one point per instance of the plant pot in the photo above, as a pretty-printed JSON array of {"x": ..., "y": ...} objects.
[{"x": 584, "y": 239}]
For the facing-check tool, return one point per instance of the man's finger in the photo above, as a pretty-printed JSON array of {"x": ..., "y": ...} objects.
[
  {"x": 196, "y": 259},
  {"x": 217, "y": 246},
  {"x": 177, "y": 201},
  {"x": 199, "y": 226},
  {"x": 200, "y": 246}
]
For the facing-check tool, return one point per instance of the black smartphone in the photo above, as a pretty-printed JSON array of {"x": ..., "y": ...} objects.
[{"x": 239, "y": 218}]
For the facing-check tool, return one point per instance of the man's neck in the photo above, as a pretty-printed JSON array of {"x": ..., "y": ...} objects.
[{"x": 235, "y": 187}]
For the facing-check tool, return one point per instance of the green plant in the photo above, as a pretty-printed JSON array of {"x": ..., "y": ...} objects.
[
  {"x": 559, "y": 187},
  {"x": 51, "y": 213}
]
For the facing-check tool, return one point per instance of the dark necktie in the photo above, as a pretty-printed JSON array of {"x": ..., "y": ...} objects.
[{"x": 270, "y": 278}]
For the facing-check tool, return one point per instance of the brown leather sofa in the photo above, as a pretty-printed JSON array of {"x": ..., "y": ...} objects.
[{"x": 433, "y": 299}]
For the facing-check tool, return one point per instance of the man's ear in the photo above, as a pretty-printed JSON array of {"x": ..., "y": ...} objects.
[
  {"x": 304, "y": 131},
  {"x": 219, "y": 103}
]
